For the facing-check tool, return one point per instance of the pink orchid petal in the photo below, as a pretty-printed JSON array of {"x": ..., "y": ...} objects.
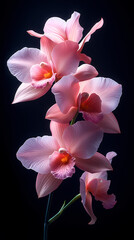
[
  {"x": 93, "y": 117},
  {"x": 57, "y": 130},
  {"x": 98, "y": 185},
  {"x": 84, "y": 58},
  {"x": 97, "y": 26},
  {"x": 97, "y": 163},
  {"x": 85, "y": 72},
  {"x": 35, "y": 34},
  {"x": 100, "y": 192},
  {"x": 65, "y": 65},
  {"x": 66, "y": 91},
  {"x": 107, "y": 89},
  {"x": 60, "y": 169},
  {"x": 86, "y": 199},
  {"x": 47, "y": 46},
  {"x": 26, "y": 92},
  {"x": 92, "y": 176},
  {"x": 89, "y": 209},
  {"x": 19, "y": 63},
  {"x": 88, "y": 36},
  {"x": 55, "y": 29},
  {"x": 109, "y": 124},
  {"x": 34, "y": 153},
  {"x": 83, "y": 187},
  {"x": 46, "y": 183},
  {"x": 55, "y": 114},
  {"x": 99, "y": 188},
  {"x": 111, "y": 155},
  {"x": 82, "y": 139},
  {"x": 73, "y": 28},
  {"x": 109, "y": 202}
]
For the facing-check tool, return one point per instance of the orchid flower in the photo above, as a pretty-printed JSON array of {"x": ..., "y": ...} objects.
[
  {"x": 95, "y": 99},
  {"x": 54, "y": 157},
  {"x": 37, "y": 74},
  {"x": 57, "y": 30},
  {"x": 96, "y": 184}
]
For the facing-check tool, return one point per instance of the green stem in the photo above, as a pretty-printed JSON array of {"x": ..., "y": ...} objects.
[
  {"x": 74, "y": 118},
  {"x": 63, "y": 208},
  {"x": 47, "y": 216}
]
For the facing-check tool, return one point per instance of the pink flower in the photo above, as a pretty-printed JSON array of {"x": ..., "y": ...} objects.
[
  {"x": 37, "y": 74},
  {"x": 54, "y": 157},
  {"x": 96, "y": 184},
  {"x": 95, "y": 99},
  {"x": 56, "y": 30}
]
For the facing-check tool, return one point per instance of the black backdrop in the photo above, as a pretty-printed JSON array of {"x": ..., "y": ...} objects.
[{"x": 22, "y": 213}]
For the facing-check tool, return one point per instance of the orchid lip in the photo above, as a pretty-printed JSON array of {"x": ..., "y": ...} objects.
[{"x": 62, "y": 164}]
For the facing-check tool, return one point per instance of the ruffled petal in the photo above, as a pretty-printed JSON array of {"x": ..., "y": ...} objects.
[
  {"x": 34, "y": 153},
  {"x": 109, "y": 202},
  {"x": 46, "y": 183},
  {"x": 62, "y": 165}
]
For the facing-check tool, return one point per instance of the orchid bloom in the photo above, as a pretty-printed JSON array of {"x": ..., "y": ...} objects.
[
  {"x": 96, "y": 184},
  {"x": 95, "y": 99},
  {"x": 37, "y": 74},
  {"x": 54, "y": 157},
  {"x": 57, "y": 30}
]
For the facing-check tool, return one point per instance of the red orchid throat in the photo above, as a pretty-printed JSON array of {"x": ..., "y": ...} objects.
[{"x": 90, "y": 103}]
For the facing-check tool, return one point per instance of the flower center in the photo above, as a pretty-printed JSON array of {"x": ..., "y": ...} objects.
[
  {"x": 62, "y": 164},
  {"x": 40, "y": 72},
  {"x": 64, "y": 156},
  {"x": 48, "y": 74}
]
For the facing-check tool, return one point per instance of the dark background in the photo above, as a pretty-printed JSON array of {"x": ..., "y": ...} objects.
[{"x": 22, "y": 213}]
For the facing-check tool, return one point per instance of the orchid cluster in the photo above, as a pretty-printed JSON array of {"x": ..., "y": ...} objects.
[{"x": 61, "y": 65}]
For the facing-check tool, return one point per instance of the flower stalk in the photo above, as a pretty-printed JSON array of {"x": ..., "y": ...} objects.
[
  {"x": 63, "y": 208},
  {"x": 47, "y": 216}
]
